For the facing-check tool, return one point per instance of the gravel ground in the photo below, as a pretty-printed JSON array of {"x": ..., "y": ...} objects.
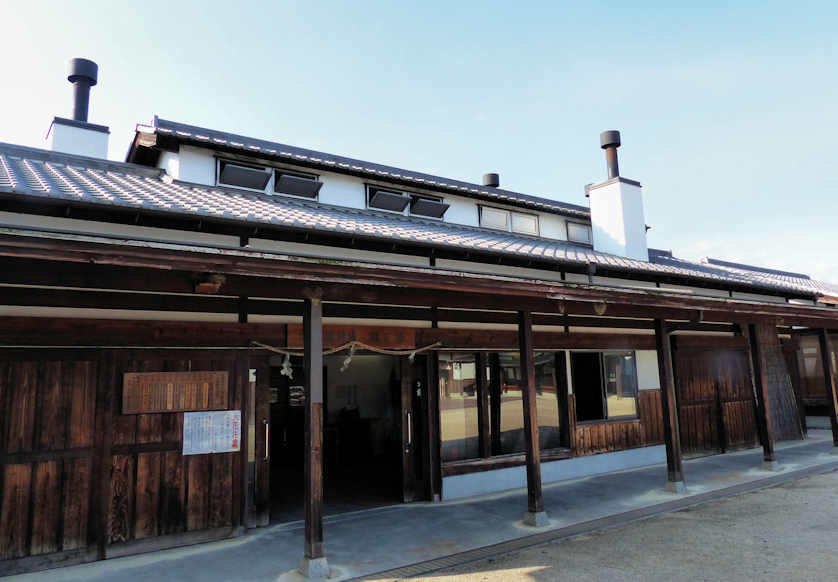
[{"x": 789, "y": 532}]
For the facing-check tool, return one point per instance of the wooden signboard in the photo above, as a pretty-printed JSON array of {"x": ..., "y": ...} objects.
[
  {"x": 173, "y": 391},
  {"x": 335, "y": 335}
]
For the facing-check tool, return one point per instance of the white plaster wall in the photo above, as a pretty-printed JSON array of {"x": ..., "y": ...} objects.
[
  {"x": 170, "y": 163},
  {"x": 342, "y": 190},
  {"x": 552, "y": 226},
  {"x": 462, "y": 211},
  {"x": 619, "y": 227},
  {"x": 473, "y": 484},
  {"x": 76, "y": 140},
  {"x": 647, "y": 370},
  {"x": 196, "y": 165},
  {"x": 342, "y": 253},
  {"x": 124, "y": 230}
]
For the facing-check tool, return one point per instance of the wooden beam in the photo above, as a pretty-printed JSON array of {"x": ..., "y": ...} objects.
[
  {"x": 536, "y": 516},
  {"x": 58, "y": 331},
  {"x": 829, "y": 376},
  {"x": 313, "y": 372},
  {"x": 495, "y": 382},
  {"x": 506, "y": 340},
  {"x": 669, "y": 406},
  {"x": 334, "y": 278},
  {"x": 760, "y": 386}
]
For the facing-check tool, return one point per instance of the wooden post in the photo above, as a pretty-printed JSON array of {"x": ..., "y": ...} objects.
[
  {"x": 669, "y": 406},
  {"x": 314, "y": 564},
  {"x": 536, "y": 516},
  {"x": 829, "y": 380},
  {"x": 763, "y": 409}
]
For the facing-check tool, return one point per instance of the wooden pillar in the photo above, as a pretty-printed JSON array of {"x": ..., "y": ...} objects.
[
  {"x": 536, "y": 516},
  {"x": 829, "y": 380},
  {"x": 314, "y": 563},
  {"x": 669, "y": 407},
  {"x": 760, "y": 386},
  {"x": 481, "y": 361}
]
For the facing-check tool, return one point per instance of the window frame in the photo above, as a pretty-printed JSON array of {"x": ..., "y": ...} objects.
[
  {"x": 589, "y": 227},
  {"x": 219, "y": 162},
  {"x": 483, "y": 391},
  {"x": 509, "y": 222},
  {"x": 603, "y": 393},
  {"x": 370, "y": 187},
  {"x": 270, "y": 185}
]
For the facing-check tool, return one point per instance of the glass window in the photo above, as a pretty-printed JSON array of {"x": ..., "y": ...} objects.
[
  {"x": 525, "y": 223},
  {"x": 580, "y": 233},
  {"x": 547, "y": 401},
  {"x": 620, "y": 385},
  {"x": 510, "y": 438},
  {"x": 604, "y": 385},
  {"x": 494, "y": 218},
  {"x": 458, "y": 407}
]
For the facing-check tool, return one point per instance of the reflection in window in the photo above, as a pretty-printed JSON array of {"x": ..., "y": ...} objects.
[
  {"x": 458, "y": 407},
  {"x": 620, "y": 385},
  {"x": 511, "y": 436},
  {"x": 512, "y": 408},
  {"x": 604, "y": 385}
]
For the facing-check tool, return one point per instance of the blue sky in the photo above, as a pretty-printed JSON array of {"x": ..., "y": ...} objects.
[{"x": 728, "y": 113}]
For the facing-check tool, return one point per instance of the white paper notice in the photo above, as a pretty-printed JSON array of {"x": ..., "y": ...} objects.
[{"x": 212, "y": 432}]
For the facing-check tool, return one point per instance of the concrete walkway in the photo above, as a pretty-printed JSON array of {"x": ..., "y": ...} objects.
[{"x": 377, "y": 540}]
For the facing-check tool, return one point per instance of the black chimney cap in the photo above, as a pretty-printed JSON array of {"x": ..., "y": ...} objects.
[
  {"x": 83, "y": 70},
  {"x": 491, "y": 180},
  {"x": 609, "y": 138}
]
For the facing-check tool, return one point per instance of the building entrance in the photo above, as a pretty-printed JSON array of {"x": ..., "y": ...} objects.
[{"x": 363, "y": 429}]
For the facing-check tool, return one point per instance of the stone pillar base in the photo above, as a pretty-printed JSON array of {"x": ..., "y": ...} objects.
[
  {"x": 537, "y": 519},
  {"x": 678, "y": 487},
  {"x": 834, "y": 450},
  {"x": 314, "y": 568},
  {"x": 770, "y": 466}
]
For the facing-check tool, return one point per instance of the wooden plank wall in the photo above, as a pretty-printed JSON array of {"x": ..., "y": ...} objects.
[
  {"x": 715, "y": 400},
  {"x": 46, "y": 452},
  {"x": 79, "y": 481},
  {"x": 616, "y": 435},
  {"x": 154, "y": 490}
]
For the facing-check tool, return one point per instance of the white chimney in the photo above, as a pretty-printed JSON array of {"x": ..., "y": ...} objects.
[
  {"x": 76, "y": 135},
  {"x": 617, "y": 221}
]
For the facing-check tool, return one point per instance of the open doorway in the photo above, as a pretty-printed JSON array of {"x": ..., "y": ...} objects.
[{"x": 362, "y": 435}]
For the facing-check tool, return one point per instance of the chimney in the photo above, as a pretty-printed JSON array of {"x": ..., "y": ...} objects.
[
  {"x": 617, "y": 220},
  {"x": 76, "y": 135},
  {"x": 491, "y": 180}
]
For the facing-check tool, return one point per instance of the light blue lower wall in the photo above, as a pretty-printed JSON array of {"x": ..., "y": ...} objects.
[{"x": 460, "y": 486}]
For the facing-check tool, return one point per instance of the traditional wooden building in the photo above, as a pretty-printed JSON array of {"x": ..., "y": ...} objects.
[{"x": 223, "y": 332}]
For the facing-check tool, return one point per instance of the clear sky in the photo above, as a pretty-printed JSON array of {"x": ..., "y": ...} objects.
[{"x": 728, "y": 114}]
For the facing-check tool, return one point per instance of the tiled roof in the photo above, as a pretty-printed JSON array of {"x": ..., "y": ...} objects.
[
  {"x": 42, "y": 175},
  {"x": 291, "y": 154}
]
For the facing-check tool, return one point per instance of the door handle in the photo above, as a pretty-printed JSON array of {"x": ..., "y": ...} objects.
[
  {"x": 267, "y": 438},
  {"x": 409, "y": 429}
]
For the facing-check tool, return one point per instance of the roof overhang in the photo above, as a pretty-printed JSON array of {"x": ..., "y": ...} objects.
[{"x": 255, "y": 273}]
